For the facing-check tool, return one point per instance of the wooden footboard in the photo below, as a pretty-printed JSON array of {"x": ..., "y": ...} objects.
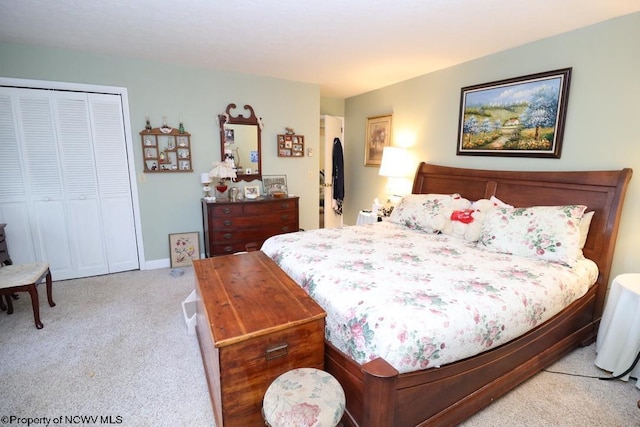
[{"x": 378, "y": 396}]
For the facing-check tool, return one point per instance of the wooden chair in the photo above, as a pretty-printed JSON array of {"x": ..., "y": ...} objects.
[{"x": 24, "y": 278}]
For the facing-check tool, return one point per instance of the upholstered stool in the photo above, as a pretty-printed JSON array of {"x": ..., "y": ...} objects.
[
  {"x": 24, "y": 278},
  {"x": 304, "y": 397}
]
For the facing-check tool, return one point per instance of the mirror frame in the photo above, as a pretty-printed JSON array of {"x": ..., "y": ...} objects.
[{"x": 251, "y": 120}]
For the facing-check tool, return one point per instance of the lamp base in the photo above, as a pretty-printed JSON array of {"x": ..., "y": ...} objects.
[{"x": 221, "y": 189}]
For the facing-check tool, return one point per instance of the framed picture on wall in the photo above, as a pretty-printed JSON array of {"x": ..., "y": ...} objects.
[
  {"x": 184, "y": 248},
  {"x": 378, "y": 136},
  {"x": 518, "y": 117}
]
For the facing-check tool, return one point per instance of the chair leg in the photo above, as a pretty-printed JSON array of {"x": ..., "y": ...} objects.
[
  {"x": 49, "y": 290},
  {"x": 8, "y": 307},
  {"x": 33, "y": 292},
  {"x": 9, "y": 304}
]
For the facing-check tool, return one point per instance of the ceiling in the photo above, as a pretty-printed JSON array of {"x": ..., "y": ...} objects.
[{"x": 347, "y": 47}]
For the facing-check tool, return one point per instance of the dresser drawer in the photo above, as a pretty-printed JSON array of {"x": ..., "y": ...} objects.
[
  {"x": 253, "y": 234},
  {"x": 225, "y": 210},
  {"x": 273, "y": 206},
  {"x": 230, "y": 248},
  {"x": 247, "y": 368},
  {"x": 255, "y": 221}
]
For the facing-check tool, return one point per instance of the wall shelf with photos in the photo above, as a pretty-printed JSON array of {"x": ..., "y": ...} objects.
[
  {"x": 290, "y": 145},
  {"x": 166, "y": 150}
]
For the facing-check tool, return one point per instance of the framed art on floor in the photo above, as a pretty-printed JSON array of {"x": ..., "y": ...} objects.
[{"x": 183, "y": 248}]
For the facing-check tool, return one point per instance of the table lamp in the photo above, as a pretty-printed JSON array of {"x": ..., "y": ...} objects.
[
  {"x": 222, "y": 171},
  {"x": 396, "y": 166},
  {"x": 205, "y": 180}
]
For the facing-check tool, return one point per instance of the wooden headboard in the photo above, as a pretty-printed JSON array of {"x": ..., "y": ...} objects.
[{"x": 601, "y": 191}]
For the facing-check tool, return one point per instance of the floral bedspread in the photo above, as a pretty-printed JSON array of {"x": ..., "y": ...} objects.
[{"x": 422, "y": 300}]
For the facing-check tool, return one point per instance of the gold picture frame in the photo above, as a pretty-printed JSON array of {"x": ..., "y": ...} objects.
[
  {"x": 184, "y": 248},
  {"x": 378, "y": 136}
]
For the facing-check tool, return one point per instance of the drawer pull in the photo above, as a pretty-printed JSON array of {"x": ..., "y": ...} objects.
[
  {"x": 285, "y": 229},
  {"x": 227, "y": 222},
  {"x": 284, "y": 205},
  {"x": 226, "y": 210},
  {"x": 276, "y": 351},
  {"x": 228, "y": 236},
  {"x": 228, "y": 249},
  {"x": 284, "y": 217}
]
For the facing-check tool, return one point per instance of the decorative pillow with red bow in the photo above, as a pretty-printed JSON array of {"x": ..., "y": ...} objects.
[{"x": 464, "y": 219}]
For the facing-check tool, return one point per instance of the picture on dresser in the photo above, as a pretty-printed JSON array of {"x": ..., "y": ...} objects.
[
  {"x": 274, "y": 184},
  {"x": 184, "y": 248},
  {"x": 251, "y": 191}
]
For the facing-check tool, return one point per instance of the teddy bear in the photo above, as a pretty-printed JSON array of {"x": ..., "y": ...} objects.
[
  {"x": 464, "y": 219},
  {"x": 479, "y": 210},
  {"x": 455, "y": 215}
]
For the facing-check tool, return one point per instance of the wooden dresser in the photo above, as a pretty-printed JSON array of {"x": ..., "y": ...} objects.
[
  {"x": 4, "y": 251},
  {"x": 253, "y": 323},
  {"x": 230, "y": 226}
]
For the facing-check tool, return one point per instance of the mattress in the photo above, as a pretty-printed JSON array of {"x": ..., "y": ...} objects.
[{"x": 422, "y": 300}]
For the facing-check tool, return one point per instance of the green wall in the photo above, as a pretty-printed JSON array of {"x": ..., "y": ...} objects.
[
  {"x": 170, "y": 203},
  {"x": 601, "y": 129}
]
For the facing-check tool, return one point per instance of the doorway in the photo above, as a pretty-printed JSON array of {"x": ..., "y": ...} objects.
[{"x": 331, "y": 127}]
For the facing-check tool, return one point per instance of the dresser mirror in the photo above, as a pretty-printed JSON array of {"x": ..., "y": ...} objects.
[{"x": 240, "y": 140}]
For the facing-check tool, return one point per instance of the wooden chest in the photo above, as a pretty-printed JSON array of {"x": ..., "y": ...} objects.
[
  {"x": 253, "y": 324},
  {"x": 230, "y": 226}
]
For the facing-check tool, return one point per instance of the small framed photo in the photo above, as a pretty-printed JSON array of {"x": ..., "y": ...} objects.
[
  {"x": 251, "y": 191},
  {"x": 184, "y": 248},
  {"x": 229, "y": 137},
  {"x": 274, "y": 184},
  {"x": 378, "y": 136}
]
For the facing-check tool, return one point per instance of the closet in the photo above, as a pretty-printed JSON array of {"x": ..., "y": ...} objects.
[{"x": 65, "y": 191}]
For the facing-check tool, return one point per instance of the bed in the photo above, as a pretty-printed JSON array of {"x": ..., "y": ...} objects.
[{"x": 451, "y": 383}]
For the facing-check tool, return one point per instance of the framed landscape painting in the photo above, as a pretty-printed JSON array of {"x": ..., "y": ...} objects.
[
  {"x": 519, "y": 117},
  {"x": 378, "y": 136}
]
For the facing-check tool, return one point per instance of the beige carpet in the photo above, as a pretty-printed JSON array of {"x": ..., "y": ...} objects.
[{"x": 117, "y": 346}]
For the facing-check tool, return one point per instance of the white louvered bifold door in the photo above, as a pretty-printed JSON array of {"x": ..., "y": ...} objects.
[
  {"x": 79, "y": 184},
  {"x": 113, "y": 182},
  {"x": 69, "y": 219},
  {"x": 14, "y": 188}
]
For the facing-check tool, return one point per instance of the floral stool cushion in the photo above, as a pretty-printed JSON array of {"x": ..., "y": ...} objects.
[{"x": 304, "y": 397}]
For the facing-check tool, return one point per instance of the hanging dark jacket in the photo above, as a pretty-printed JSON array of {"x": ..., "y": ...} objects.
[{"x": 338, "y": 176}]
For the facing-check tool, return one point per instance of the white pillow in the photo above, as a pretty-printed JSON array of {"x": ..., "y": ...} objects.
[
  {"x": 499, "y": 203},
  {"x": 551, "y": 233},
  {"x": 421, "y": 211},
  {"x": 584, "y": 228}
]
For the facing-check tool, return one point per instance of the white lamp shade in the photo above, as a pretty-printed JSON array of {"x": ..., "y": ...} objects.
[
  {"x": 205, "y": 178},
  {"x": 395, "y": 162}
]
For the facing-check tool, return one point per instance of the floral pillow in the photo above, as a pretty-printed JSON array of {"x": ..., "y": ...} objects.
[
  {"x": 551, "y": 233},
  {"x": 421, "y": 211}
]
